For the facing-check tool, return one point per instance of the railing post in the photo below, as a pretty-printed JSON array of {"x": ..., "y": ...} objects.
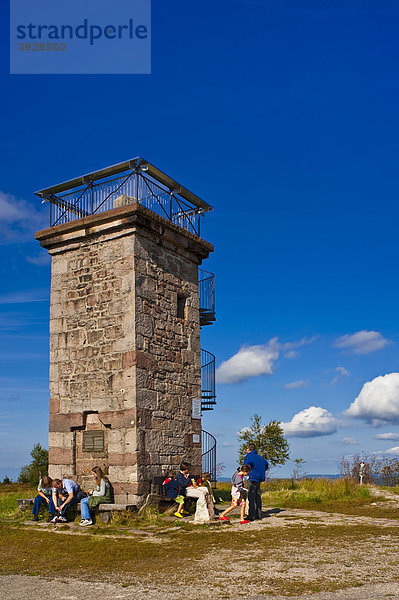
[
  {"x": 207, "y": 297},
  {"x": 208, "y": 443},
  {"x": 208, "y": 392}
]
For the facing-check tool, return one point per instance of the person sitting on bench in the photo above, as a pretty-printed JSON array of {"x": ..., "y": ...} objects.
[
  {"x": 101, "y": 495},
  {"x": 44, "y": 496},
  {"x": 66, "y": 493},
  {"x": 188, "y": 488}
]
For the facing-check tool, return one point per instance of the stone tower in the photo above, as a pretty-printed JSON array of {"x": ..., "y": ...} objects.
[{"x": 125, "y": 316}]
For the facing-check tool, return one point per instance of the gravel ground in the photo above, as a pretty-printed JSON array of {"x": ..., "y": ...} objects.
[
  {"x": 366, "y": 567},
  {"x": 22, "y": 587}
]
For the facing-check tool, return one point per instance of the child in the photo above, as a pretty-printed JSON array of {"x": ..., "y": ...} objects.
[
  {"x": 237, "y": 494},
  {"x": 101, "y": 495},
  {"x": 172, "y": 491},
  {"x": 189, "y": 489},
  {"x": 206, "y": 482},
  {"x": 44, "y": 495}
]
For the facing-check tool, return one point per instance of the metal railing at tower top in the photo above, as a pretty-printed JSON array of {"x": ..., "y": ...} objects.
[
  {"x": 133, "y": 181},
  {"x": 206, "y": 285},
  {"x": 208, "y": 388},
  {"x": 208, "y": 442}
]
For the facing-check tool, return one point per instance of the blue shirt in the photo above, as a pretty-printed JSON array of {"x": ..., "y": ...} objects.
[{"x": 258, "y": 466}]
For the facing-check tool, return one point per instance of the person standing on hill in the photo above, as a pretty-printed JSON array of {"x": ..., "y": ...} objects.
[{"x": 257, "y": 474}]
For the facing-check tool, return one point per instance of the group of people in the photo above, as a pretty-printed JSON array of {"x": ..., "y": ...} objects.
[
  {"x": 61, "y": 494},
  {"x": 181, "y": 486}
]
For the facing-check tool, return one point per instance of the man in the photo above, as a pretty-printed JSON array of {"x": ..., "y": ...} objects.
[
  {"x": 257, "y": 474},
  {"x": 66, "y": 492}
]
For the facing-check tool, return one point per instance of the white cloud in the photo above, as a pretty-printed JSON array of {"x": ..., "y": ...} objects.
[
  {"x": 296, "y": 384},
  {"x": 341, "y": 372},
  {"x": 18, "y": 218},
  {"x": 394, "y": 451},
  {"x": 378, "y": 401},
  {"x": 25, "y": 296},
  {"x": 349, "y": 441},
  {"x": 41, "y": 260},
  {"x": 252, "y": 361},
  {"x": 249, "y": 361},
  {"x": 311, "y": 422},
  {"x": 387, "y": 436},
  {"x": 289, "y": 348},
  {"x": 305, "y": 341},
  {"x": 361, "y": 342}
]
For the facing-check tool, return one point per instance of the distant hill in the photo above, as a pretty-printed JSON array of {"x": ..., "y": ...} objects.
[
  {"x": 323, "y": 476},
  {"x": 310, "y": 476}
]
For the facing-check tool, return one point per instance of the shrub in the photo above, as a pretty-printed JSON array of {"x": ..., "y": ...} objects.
[
  {"x": 312, "y": 491},
  {"x": 39, "y": 466}
]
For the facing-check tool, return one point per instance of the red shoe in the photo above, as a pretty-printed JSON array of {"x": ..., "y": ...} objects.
[
  {"x": 224, "y": 519},
  {"x": 244, "y": 522}
]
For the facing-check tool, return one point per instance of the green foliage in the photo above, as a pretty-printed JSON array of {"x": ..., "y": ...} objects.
[
  {"x": 7, "y": 480},
  {"x": 38, "y": 467},
  {"x": 313, "y": 491},
  {"x": 269, "y": 441},
  {"x": 9, "y": 493}
]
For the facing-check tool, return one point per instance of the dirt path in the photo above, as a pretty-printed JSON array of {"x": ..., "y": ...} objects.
[
  {"x": 288, "y": 553},
  {"x": 22, "y": 587},
  {"x": 376, "y": 493}
]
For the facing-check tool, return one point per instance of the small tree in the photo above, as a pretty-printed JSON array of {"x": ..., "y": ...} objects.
[
  {"x": 350, "y": 467},
  {"x": 220, "y": 467},
  {"x": 269, "y": 441},
  {"x": 7, "y": 480},
  {"x": 388, "y": 471},
  {"x": 298, "y": 471},
  {"x": 39, "y": 466}
]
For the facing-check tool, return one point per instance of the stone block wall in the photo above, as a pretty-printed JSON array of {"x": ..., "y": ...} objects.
[{"x": 124, "y": 346}]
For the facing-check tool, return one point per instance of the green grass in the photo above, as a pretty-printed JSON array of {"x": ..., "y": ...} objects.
[
  {"x": 394, "y": 489},
  {"x": 9, "y": 494},
  {"x": 314, "y": 492},
  {"x": 306, "y": 493},
  {"x": 343, "y": 496}
]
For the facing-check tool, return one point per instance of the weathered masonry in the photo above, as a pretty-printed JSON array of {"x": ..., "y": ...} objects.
[{"x": 128, "y": 379}]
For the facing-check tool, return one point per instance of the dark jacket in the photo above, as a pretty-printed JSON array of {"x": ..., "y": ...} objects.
[
  {"x": 258, "y": 466},
  {"x": 171, "y": 488},
  {"x": 183, "y": 482},
  {"x": 238, "y": 484}
]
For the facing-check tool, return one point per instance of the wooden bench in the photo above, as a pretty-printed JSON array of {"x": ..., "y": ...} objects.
[{"x": 104, "y": 510}]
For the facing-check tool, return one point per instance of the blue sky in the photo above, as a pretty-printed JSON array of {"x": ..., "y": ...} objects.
[{"x": 283, "y": 116}]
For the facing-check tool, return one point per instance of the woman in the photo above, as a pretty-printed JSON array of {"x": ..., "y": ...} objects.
[
  {"x": 101, "y": 495},
  {"x": 44, "y": 495}
]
